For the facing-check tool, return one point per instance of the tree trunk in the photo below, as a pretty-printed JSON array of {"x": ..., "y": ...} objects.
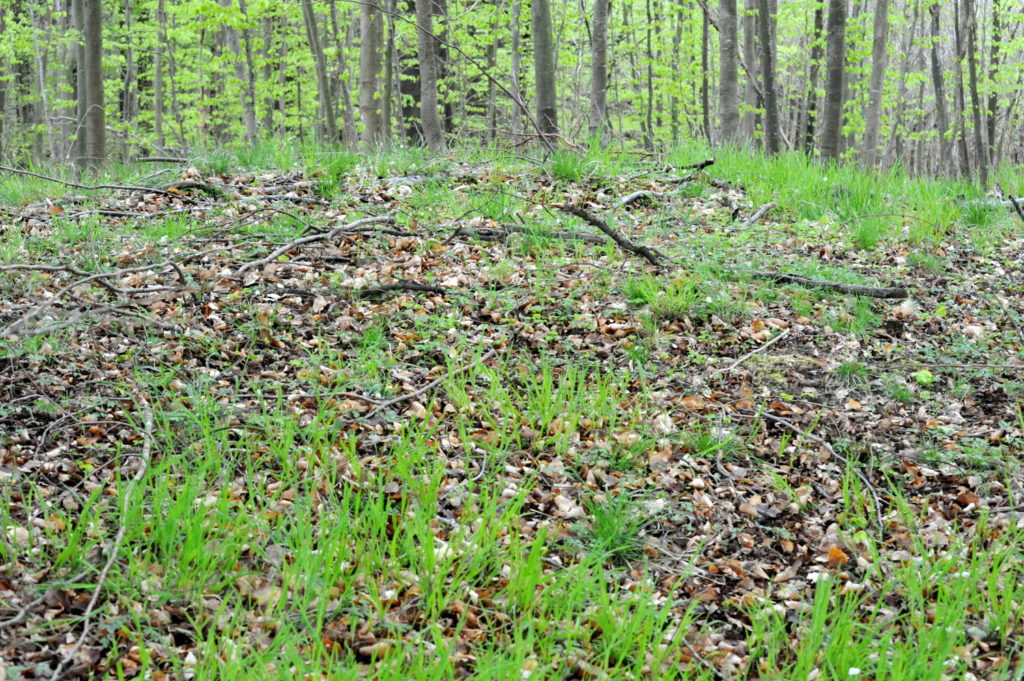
[
  {"x": 370, "y": 28},
  {"x": 544, "y": 73},
  {"x": 938, "y": 84},
  {"x": 95, "y": 119},
  {"x": 993, "y": 72},
  {"x": 158, "y": 74},
  {"x": 599, "y": 71},
  {"x": 649, "y": 53},
  {"x": 248, "y": 77},
  {"x": 705, "y": 77},
  {"x": 128, "y": 99},
  {"x": 812, "y": 80},
  {"x": 748, "y": 125},
  {"x": 516, "y": 70},
  {"x": 772, "y": 129},
  {"x": 834, "y": 72},
  {"x": 980, "y": 150},
  {"x": 728, "y": 83},
  {"x": 873, "y": 116},
  {"x": 960, "y": 103},
  {"x": 320, "y": 63},
  {"x": 428, "y": 77}
]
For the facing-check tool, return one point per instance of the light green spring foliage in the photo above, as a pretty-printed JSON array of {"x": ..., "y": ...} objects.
[{"x": 205, "y": 79}]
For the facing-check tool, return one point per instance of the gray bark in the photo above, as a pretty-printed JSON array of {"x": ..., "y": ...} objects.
[
  {"x": 835, "y": 61},
  {"x": 95, "y": 119},
  {"x": 428, "y": 77},
  {"x": 728, "y": 56},
  {"x": 938, "y": 84},
  {"x": 873, "y": 116},
  {"x": 320, "y": 63},
  {"x": 772, "y": 128},
  {"x": 370, "y": 31},
  {"x": 599, "y": 70},
  {"x": 544, "y": 72}
]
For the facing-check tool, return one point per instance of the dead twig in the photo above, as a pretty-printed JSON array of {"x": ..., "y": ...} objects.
[
  {"x": 20, "y": 616},
  {"x": 428, "y": 387},
  {"x": 760, "y": 348},
  {"x": 651, "y": 256},
  {"x": 93, "y": 187},
  {"x": 758, "y": 214},
  {"x": 1016, "y": 207},
  {"x": 313, "y": 238},
  {"x": 144, "y": 458},
  {"x": 896, "y": 292},
  {"x": 629, "y": 199},
  {"x": 832, "y": 452}
]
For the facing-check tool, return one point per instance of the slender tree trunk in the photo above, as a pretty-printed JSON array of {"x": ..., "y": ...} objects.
[
  {"x": 909, "y": 49},
  {"x": 748, "y": 126},
  {"x": 772, "y": 129},
  {"x": 516, "y": 70},
  {"x": 993, "y": 73},
  {"x": 43, "y": 113},
  {"x": 320, "y": 63},
  {"x": 128, "y": 107},
  {"x": 728, "y": 83},
  {"x": 428, "y": 77},
  {"x": 370, "y": 27},
  {"x": 247, "y": 75},
  {"x": 812, "y": 81},
  {"x": 873, "y": 116},
  {"x": 158, "y": 74},
  {"x": 78, "y": 22},
  {"x": 649, "y": 103},
  {"x": 834, "y": 73},
  {"x": 980, "y": 150},
  {"x": 95, "y": 119},
  {"x": 938, "y": 84},
  {"x": 544, "y": 72},
  {"x": 705, "y": 77},
  {"x": 960, "y": 104},
  {"x": 599, "y": 71}
]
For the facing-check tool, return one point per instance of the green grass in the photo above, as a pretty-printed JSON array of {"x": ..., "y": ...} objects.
[{"x": 544, "y": 513}]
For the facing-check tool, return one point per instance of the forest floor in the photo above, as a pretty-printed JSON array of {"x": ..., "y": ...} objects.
[{"x": 404, "y": 417}]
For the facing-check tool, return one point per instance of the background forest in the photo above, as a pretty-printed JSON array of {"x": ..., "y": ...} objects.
[{"x": 931, "y": 85}]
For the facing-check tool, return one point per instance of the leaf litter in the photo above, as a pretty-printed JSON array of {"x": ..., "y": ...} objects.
[{"x": 728, "y": 449}]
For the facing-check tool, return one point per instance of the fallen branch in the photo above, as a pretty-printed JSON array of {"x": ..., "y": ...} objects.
[
  {"x": 161, "y": 159},
  {"x": 758, "y": 214},
  {"x": 1016, "y": 207},
  {"x": 651, "y": 256},
  {"x": 313, "y": 238},
  {"x": 832, "y": 452},
  {"x": 896, "y": 292},
  {"x": 205, "y": 187},
  {"x": 428, "y": 387},
  {"x": 760, "y": 348},
  {"x": 93, "y": 187},
  {"x": 642, "y": 194},
  {"x": 502, "y": 231}
]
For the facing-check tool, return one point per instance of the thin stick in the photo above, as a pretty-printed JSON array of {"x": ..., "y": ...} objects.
[
  {"x": 313, "y": 238},
  {"x": 625, "y": 244},
  {"x": 758, "y": 214},
  {"x": 429, "y": 386},
  {"x": 147, "y": 451},
  {"x": 814, "y": 438},
  {"x": 91, "y": 187},
  {"x": 760, "y": 348},
  {"x": 895, "y": 292}
]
